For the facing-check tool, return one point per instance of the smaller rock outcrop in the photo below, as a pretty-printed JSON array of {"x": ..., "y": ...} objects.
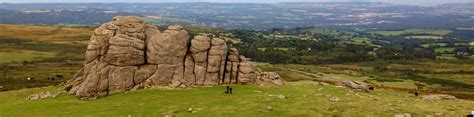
[
  {"x": 438, "y": 97},
  {"x": 357, "y": 85},
  {"x": 42, "y": 95},
  {"x": 268, "y": 78}
]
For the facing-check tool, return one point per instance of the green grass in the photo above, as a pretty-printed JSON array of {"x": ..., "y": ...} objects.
[
  {"x": 400, "y": 75},
  {"x": 304, "y": 98},
  {"x": 428, "y": 45},
  {"x": 276, "y": 48},
  {"x": 28, "y": 50},
  {"x": 424, "y": 37},
  {"x": 445, "y": 50},
  {"x": 322, "y": 30},
  {"x": 16, "y": 77},
  {"x": 446, "y": 58},
  {"x": 415, "y": 31},
  {"x": 20, "y": 56},
  {"x": 362, "y": 41}
]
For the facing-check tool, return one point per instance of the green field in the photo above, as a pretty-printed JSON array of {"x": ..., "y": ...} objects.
[
  {"x": 446, "y": 58},
  {"x": 303, "y": 98},
  {"x": 164, "y": 20},
  {"x": 322, "y": 30},
  {"x": 362, "y": 41},
  {"x": 276, "y": 48},
  {"x": 415, "y": 31},
  {"x": 20, "y": 56},
  {"x": 444, "y": 50},
  {"x": 428, "y": 45},
  {"x": 424, "y": 37}
]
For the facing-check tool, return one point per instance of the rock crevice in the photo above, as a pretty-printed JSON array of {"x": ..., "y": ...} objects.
[{"x": 127, "y": 54}]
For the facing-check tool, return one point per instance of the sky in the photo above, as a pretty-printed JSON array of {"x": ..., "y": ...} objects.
[{"x": 410, "y": 2}]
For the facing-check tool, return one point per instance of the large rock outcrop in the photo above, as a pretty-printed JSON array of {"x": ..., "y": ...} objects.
[{"x": 127, "y": 54}]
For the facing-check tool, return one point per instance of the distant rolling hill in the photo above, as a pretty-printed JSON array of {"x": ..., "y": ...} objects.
[{"x": 58, "y": 17}]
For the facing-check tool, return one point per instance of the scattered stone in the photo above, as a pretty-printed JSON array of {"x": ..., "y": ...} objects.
[
  {"x": 357, "y": 85},
  {"x": 278, "y": 96},
  {"x": 320, "y": 89},
  {"x": 318, "y": 94},
  {"x": 335, "y": 99},
  {"x": 269, "y": 77},
  {"x": 41, "y": 95},
  {"x": 332, "y": 98},
  {"x": 282, "y": 96},
  {"x": 190, "y": 110},
  {"x": 269, "y": 108},
  {"x": 33, "y": 97},
  {"x": 403, "y": 115},
  {"x": 438, "y": 97},
  {"x": 339, "y": 86},
  {"x": 314, "y": 83}
]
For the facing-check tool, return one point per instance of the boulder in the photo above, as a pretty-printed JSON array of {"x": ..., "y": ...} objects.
[
  {"x": 357, "y": 85},
  {"x": 268, "y": 78},
  {"x": 199, "y": 50},
  {"x": 438, "y": 97},
  {"x": 127, "y": 54}
]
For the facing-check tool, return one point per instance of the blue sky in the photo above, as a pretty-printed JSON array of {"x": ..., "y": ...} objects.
[{"x": 412, "y": 2}]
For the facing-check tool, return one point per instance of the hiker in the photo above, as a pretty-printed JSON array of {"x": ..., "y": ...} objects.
[{"x": 229, "y": 90}]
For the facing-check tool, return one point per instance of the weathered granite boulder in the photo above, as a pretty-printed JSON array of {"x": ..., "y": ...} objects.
[
  {"x": 438, "y": 97},
  {"x": 128, "y": 54},
  {"x": 268, "y": 78},
  {"x": 356, "y": 85}
]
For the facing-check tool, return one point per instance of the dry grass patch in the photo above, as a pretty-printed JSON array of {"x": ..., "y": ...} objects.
[{"x": 52, "y": 34}]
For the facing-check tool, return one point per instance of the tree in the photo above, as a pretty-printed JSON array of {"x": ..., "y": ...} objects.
[{"x": 5, "y": 68}]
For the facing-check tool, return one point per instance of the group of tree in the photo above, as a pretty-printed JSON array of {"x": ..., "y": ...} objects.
[{"x": 323, "y": 48}]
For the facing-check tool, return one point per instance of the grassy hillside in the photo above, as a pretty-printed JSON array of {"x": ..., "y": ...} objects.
[
  {"x": 304, "y": 98},
  {"x": 40, "y": 52},
  {"x": 50, "y": 34},
  {"x": 449, "y": 77}
]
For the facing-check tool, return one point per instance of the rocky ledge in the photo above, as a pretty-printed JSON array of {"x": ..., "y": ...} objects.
[{"x": 127, "y": 54}]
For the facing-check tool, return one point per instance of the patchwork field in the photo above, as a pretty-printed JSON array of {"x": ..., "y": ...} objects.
[
  {"x": 415, "y": 31},
  {"x": 424, "y": 37},
  {"x": 444, "y": 49},
  {"x": 428, "y": 45}
]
